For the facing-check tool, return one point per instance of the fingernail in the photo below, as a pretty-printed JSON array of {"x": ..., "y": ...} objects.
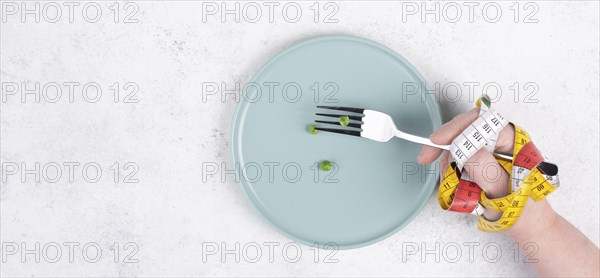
[{"x": 419, "y": 157}]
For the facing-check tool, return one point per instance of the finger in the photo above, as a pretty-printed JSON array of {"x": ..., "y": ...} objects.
[
  {"x": 444, "y": 165},
  {"x": 446, "y": 133},
  {"x": 506, "y": 139},
  {"x": 488, "y": 174},
  {"x": 450, "y": 130}
]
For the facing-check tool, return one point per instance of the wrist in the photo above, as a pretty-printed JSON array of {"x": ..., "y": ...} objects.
[{"x": 536, "y": 218}]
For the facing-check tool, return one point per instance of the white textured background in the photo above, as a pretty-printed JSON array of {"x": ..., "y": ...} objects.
[{"x": 170, "y": 212}]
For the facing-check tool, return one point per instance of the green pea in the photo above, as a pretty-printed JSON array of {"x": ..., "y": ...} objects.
[
  {"x": 313, "y": 129},
  {"x": 344, "y": 120},
  {"x": 326, "y": 165}
]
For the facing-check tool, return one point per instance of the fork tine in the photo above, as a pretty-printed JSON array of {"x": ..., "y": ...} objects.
[
  {"x": 341, "y": 131},
  {"x": 338, "y": 123},
  {"x": 341, "y": 108},
  {"x": 356, "y": 118}
]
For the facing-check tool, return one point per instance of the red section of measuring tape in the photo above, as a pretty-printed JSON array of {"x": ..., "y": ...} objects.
[
  {"x": 466, "y": 197},
  {"x": 528, "y": 156}
]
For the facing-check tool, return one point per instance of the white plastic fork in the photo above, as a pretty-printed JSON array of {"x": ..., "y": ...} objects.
[{"x": 377, "y": 126}]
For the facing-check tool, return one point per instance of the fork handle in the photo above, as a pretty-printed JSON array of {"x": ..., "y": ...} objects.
[{"x": 426, "y": 141}]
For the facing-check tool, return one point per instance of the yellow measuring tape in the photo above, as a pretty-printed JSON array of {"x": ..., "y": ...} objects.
[{"x": 530, "y": 175}]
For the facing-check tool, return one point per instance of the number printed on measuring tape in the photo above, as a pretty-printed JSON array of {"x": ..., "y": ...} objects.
[{"x": 482, "y": 133}]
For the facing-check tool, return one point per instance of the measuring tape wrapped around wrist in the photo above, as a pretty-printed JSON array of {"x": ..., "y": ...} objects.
[{"x": 530, "y": 175}]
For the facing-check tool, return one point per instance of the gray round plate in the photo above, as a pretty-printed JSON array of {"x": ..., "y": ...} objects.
[{"x": 375, "y": 188}]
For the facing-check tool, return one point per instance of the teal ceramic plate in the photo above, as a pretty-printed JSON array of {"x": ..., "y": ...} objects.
[{"x": 375, "y": 188}]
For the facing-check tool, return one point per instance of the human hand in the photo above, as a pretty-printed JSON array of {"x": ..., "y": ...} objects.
[{"x": 485, "y": 170}]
